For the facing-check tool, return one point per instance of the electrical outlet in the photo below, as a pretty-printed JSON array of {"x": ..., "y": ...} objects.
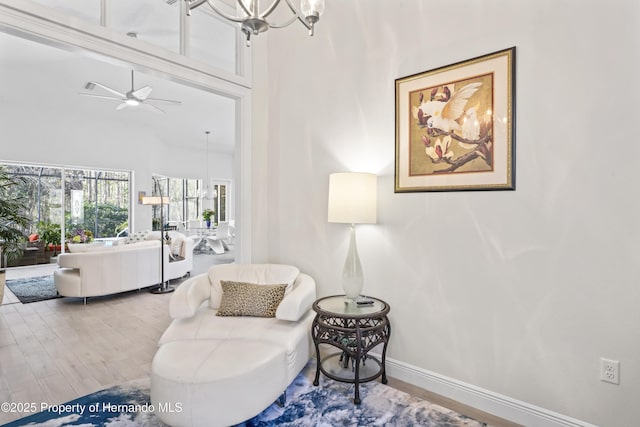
[{"x": 609, "y": 371}]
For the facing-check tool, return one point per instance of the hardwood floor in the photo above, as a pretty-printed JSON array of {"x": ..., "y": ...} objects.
[
  {"x": 476, "y": 414},
  {"x": 58, "y": 350}
]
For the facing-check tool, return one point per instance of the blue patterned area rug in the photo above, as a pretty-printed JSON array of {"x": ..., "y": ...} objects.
[
  {"x": 330, "y": 404},
  {"x": 33, "y": 289}
]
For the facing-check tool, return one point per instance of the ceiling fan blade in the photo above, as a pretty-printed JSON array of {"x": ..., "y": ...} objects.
[
  {"x": 100, "y": 96},
  {"x": 143, "y": 92},
  {"x": 133, "y": 98},
  {"x": 107, "y": 88},
  {"x": 151, "y": 107},
  {"x": 164, "y": 101}
]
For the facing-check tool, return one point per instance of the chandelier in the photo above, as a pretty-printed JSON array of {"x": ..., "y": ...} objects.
[
  {"x": 253, "y": 20},
  {"x": 206, "y": 192}
]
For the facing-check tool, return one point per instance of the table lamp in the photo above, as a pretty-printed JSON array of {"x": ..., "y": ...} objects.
[{"x": 352, "y": 200}]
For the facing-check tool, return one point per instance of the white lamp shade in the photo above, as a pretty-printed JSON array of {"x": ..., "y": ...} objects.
[{"x": 353, "y": 197}]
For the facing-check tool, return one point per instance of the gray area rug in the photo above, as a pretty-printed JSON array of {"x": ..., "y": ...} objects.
[
  {"x": 328, "y": 405},
  {"x": 33, "y": 289}
]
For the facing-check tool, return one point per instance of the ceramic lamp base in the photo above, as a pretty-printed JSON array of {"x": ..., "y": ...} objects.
[{"x": 352, "y": 279}]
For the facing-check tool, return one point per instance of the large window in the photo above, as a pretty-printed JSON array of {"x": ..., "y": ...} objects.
[
  {"x": 220, "y": 201},
  {"x": 187, "y": 200},
  {"x": 42, "y": 187},
  {"x": 156, "y": 22},
  {"x": 204, "y": 27},
  {"x": 192, "y": 199},
  {"x": 97, "y": 201},
  {"x": 71, "y": 198}
]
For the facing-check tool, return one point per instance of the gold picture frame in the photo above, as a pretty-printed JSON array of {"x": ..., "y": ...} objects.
[{"x": 455, "y": 128}]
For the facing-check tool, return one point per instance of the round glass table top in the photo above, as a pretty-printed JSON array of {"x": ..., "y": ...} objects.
[{"x": 340, "y": 305}]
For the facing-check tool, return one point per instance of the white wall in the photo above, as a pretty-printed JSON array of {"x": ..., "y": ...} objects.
[
  {"x": 260, "y": 148},
  {"x": 521, "y": 292}
]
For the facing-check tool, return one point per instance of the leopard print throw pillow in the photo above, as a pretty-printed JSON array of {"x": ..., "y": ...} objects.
[{"x": 248, "y": 299}]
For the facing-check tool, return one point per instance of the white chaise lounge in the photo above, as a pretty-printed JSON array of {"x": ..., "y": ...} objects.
[{"x": 222, "y": 370}]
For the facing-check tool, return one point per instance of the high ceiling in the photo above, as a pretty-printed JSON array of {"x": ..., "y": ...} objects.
[{"x": 44, "y": 79}]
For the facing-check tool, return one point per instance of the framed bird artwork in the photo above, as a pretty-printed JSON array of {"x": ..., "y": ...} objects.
[{"x": 455, "y": 127}]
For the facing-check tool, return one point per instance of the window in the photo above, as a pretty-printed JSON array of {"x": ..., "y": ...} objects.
[
  {"x": 42, "y": 187},
  {"x": 87, "y": 199},
  {"x": 216, "y": 199},
  {"x": 204, "y": 27},
  {"x": 192, "y": 199},
  {"x": 206, "y": 38},
  {"x": 156, "y": 22},
  {"x": 97, "y": 201},
  {"x": 186, "y": 201},
  {"x": 220, "y": 201}
]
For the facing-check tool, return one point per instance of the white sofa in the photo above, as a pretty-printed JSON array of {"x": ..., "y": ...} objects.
[
  {"x": 224, "y": 370},
  {"x": 105, "y": 270}
]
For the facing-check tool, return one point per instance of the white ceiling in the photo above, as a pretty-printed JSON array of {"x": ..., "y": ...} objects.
[{"x": 46, "y": 78}]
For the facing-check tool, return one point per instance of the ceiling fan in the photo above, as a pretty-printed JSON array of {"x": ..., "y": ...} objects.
[{"x": 132, "y": 98}]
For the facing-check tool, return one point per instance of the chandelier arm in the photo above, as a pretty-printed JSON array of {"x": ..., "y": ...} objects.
[
  {"x": 224, "y": 14},
  {"x": 285, "y": 24},
  {"x": 271, "y": 8},
  {"x": 255, "y": 22},
  {"x": 192, "y": 4},
  {"x": 305, "y": 23},
  {"x": 244, "y": 7},
  {"x": 292, "y": 7},
  {"x": 297, "y": 14}
]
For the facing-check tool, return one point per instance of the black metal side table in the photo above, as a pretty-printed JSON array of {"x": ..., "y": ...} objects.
[{"x": 353, "y": 329}]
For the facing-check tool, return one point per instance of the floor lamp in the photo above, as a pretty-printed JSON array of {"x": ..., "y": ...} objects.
[
  {"x": 352, "y": 200},
  {"x": 164, "y": 287}
]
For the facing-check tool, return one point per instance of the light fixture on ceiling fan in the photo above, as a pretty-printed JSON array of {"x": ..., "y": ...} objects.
[
  {"x": 253, "y": 20},
  {"x": 132, "y": 98}
]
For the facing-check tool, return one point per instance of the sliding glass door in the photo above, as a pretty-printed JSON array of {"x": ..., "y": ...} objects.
[
  {"x": 96, "y": 201},
  {"x": 64, "y": 200}
]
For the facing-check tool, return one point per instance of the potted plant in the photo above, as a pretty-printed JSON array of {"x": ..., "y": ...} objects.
[
  {"x": 79, "y": 235},
  {"x": 50, "y": 234},
  {"x": 13, "y": 223},
  {"x": 207, "y": 214}
]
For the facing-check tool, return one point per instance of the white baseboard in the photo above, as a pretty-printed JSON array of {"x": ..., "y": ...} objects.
[{"x": 493, "y": 403}]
